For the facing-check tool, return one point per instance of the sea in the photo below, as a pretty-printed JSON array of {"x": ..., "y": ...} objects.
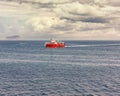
[{"x": 82, "y": 68}]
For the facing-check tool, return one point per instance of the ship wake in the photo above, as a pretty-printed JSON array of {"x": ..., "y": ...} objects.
[{"x": 95, "y": 45}]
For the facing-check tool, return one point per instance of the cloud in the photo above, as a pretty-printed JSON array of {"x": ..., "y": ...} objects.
[
  {"x": 63, "y": 27},
  {"x": 1, "y": 27},
  {"x": 78, "y": 12},
  {"x": 95, "y": 20},
  {"x": 66, "y": 19},
  {"x": 81, "y": 12},
  {"x": 100, "y": 1},
  {"x": 77, "y": 8},
  {"x": 43, "y": 23},
  {"x": 13, "y": 37},
  {"x": 52, "y": 1}
]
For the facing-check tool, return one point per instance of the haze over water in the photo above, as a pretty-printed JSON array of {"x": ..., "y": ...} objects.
[{"x": 82, "y": 68}]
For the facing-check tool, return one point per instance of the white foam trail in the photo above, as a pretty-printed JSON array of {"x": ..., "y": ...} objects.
[{"x": 95, "y": 45}]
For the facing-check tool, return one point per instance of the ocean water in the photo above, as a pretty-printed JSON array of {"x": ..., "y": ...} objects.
[{"x": 82, "y": 68}]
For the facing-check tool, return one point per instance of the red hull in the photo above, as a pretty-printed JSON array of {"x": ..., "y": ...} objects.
[{"x": 53, "y": 45}]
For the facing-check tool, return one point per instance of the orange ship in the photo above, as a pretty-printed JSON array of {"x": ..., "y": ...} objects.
[{"x": 54, "y": 44}]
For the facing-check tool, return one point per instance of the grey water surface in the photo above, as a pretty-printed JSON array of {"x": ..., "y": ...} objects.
[{"x": 82, "y": 68}]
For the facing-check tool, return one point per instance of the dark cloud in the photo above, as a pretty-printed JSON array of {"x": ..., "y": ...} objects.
[
  {"x": 79, "y": 14},
  {"x": 13, "y": 37},
  {"x": 92, "y": 28},
  {"x": 65, "y": 27},
  {"x": 45, "y": 5},
  {"x": 87, "y": 19},
  {"x": 95, "y": 20},
  {"x": 40, "y": 3}
]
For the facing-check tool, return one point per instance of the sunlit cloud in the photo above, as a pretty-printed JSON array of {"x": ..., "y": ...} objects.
[{"x": 43, "y": 23}]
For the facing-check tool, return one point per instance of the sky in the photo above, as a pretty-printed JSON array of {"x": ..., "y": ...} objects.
[{"x": 60, "y": 19}]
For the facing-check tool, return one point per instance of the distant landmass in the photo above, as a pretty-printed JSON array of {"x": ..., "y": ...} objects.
[{"x": 13, "y": 37}]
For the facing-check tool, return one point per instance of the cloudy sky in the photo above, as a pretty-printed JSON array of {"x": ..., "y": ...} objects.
[{"x": 60, "y": 19}]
